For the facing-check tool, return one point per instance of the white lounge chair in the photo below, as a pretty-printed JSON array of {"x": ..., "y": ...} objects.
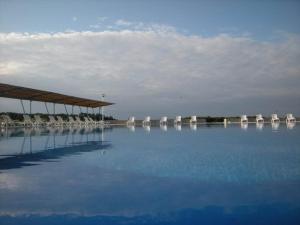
[
  {"x": 147, "y": 121},
  {"x": 38, "y": 120},
  {"x": 274, "y": 118},
  {"x": 78, "y": 120},
  {"x": 259, "y": 118},
  {"x": 290, "y": 118},
  {"x": 94, "y": 122},
  {"x": 72, "y": 121},
  {"x": 27, "y": 120},
  {"x": 244, "y": 119},
  {"x": 61, "y": 121},
  {"x": 163, "y": 120},
  {"x": 193, "y": 120},
  {"x": 177, "y": 120},
  {"x": 53, "y": 121},
  {"x": 131, "y": 121},
  {"x": 9, "y": 122},
  {"x": 86, "y": 121}
]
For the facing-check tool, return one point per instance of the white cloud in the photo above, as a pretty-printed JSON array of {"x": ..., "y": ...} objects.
[{"x": 158, "y": 71}]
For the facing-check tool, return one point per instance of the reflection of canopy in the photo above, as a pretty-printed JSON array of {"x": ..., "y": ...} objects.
[{"x": 17, "y": 92}]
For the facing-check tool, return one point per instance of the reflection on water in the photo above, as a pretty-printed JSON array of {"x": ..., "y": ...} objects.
[
  {"x": 275, "y": 126},
  {"x": 56, "y": 144},
  {"x": 290, "y": 125},
  {"x": 164, "y": 127},
  {"x": 259, "y": 126},
  {"x": 244, "y": 126},
  {"x": 193, "y": 126},
  {"x": 209, "y": 176},
  {"x": 131, "y": 128},
  {"x": 177, "y": 127},
  {"x": 147, "y": 128}
]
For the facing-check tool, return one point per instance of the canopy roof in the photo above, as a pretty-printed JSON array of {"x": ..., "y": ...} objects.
[{"x": 17, "y": 92}]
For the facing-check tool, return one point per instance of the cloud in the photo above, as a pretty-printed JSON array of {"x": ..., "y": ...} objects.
[
  {"x": 158, "y": 71},
  {"x": 74, "y": 18}
]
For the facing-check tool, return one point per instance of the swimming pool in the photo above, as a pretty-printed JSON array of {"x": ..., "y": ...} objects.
[{"x": 157, "y": 175}]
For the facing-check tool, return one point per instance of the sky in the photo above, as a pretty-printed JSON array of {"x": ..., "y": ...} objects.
[{"x": 157, "y": 58}]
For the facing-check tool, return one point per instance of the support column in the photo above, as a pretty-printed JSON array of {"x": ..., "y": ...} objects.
[{"x": 22, "y": 106}]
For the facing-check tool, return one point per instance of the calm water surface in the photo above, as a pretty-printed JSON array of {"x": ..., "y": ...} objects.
[{"x": 203, "y": 175}]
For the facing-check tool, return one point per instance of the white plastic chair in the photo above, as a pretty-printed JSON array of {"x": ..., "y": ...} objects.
[
  {"x": 147, "y": 120},
  {"x": 193, "y": 119},
  {"x": 259, "y": 118},
  {"x": 290, "y": 118},
  {"x": 163, "y": 120},
  {"x": 177, "y": 119},
  {"x": 244, "y": 119},
  {"x": 274, "y": 118},
  {"x": 131, "y": 121},
  {"x": 27, "y": 120}
]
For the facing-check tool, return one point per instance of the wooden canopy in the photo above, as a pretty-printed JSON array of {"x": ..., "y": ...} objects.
[{"x": 23, "y": 93}]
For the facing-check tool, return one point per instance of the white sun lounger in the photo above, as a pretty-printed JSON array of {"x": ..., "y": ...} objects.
[
  {"x": 61, "y": 121},
  {"x": 131, "y": 121},
  {"x": 163, "y": 120},
  {"x": 290, "y": 118},
  {"x": 27, "y": 120},
  {"x": 259, "y": 118},
  {"x": 147, "y": 121},
  {"x": 38, "y": 120},
  {"x": 193, "y": 120},
  {"x": 9, "y": 122},
  {"x": 177, "y": 120},
  {"x": 274, "y": 118},
  {"x": 244, "y": 119},
  {"x": 53, "y": 121},
  {"x": 79, "y": 121}
]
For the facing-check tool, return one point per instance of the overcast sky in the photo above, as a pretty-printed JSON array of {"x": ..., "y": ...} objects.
[{"x": 156, "y": 57}]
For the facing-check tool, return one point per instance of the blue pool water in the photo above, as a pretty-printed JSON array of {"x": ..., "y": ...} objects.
[{"x": 203, "y": 175}]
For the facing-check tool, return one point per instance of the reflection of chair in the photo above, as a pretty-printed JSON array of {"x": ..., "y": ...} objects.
[
  {"x": 244, "y": 125},
  {"x": 259, "y": 118},
  {"x": 27, "y": 120},
  {"x": 163, "y": 120},
  {"x": 290, "y": 125},
  {"x": 259, "y": 125},
  {"x": 177, "y": 120},
  {"x": 193, "y": 120},
  {"x": 177, "y": 126},
  {"x": 164, "y": 126},
  {"x": 131, "y": 121},
  {"x": 147, "y": 121},
  {"x": 193, "y": 126},
  {"x": 244, "y": 119},
  {"x": 290, "y": 118},
  {"x": 274, "y": 118},
  {"x": 275, "y": 125}
]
